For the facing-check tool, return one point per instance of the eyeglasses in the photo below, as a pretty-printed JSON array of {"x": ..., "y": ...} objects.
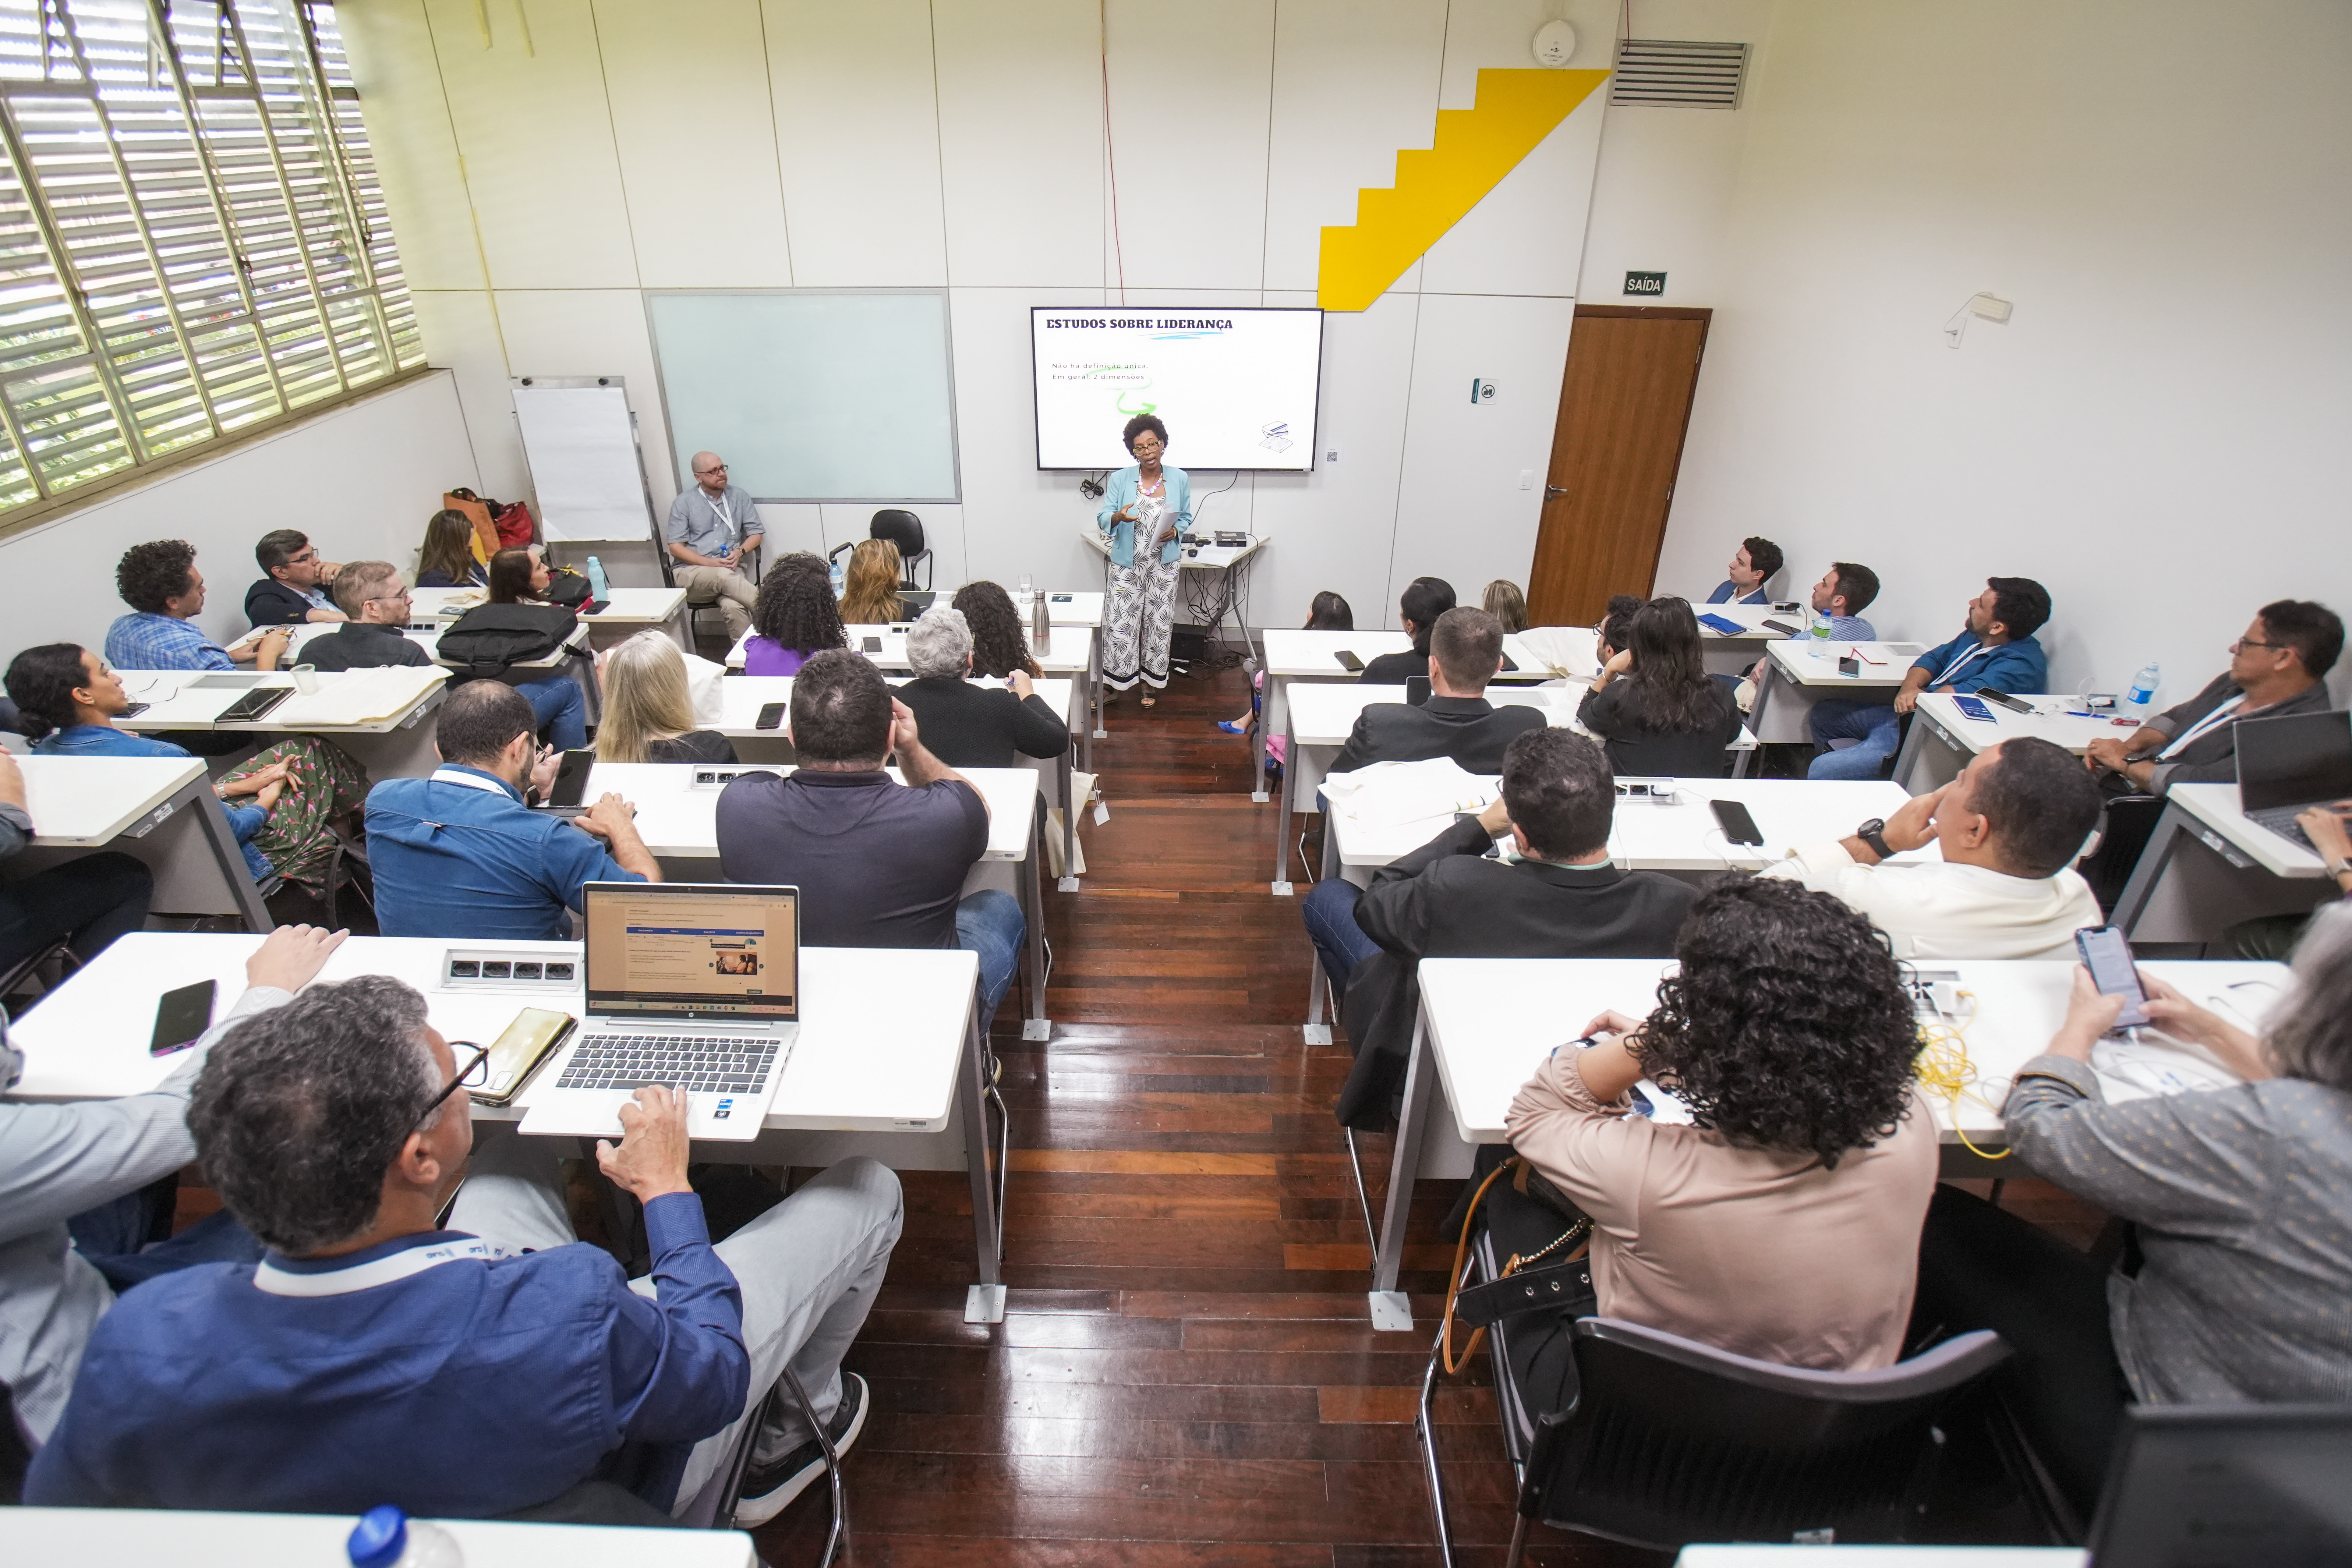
[
  {"x": 714, "y": 468},
  {"x": 475, "y": 1074},
  {"x": 389, "y": 598},
  {"x": 2253, "y": 642}
]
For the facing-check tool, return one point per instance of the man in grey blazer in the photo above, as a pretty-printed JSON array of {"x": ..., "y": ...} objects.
[
  {"x": 1466, "y": 652},
  {"x": 64, "y": 1169},
  {"x": 2275, "y": 670}
]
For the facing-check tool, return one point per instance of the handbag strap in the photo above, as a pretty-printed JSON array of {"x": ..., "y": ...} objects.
[{"x": 1526, "y": 1174}]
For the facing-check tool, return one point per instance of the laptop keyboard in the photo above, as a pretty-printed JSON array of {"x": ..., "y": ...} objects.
[
  {"x": 706, "y": 1064},
  {"x": 2281, "y": 820}
]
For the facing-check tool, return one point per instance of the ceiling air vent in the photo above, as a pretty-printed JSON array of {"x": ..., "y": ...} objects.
[{"x": 1677, "y": 74}]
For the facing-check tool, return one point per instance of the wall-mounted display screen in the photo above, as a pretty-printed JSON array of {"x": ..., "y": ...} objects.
[{"x": 1235, "y": 385}]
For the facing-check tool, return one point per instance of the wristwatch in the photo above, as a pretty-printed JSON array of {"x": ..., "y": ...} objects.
[{"x": 1872, "y": 834}]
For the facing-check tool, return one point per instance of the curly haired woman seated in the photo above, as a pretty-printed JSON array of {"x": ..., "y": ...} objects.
[
  {"x": 795, "y": 617},
  {"x": 1785, "y": 1224}
]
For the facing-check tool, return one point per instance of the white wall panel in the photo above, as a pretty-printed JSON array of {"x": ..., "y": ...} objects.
[
  {"x": 790, "y": 525},
  {"x": 594, "y": 332},
  {"x": 1527, "y": 236},
  {"x": 1461, "y": 514},
  {"x": 537, "y": 139},
  {"x": 856, "y": 118},
  {"x": 688, "y": 85},
  {"x": 398, "y": 73},
  {"x": 461, "y": 336},
  {"x": 1191, "y": 143},
  {"x": 1020, "y": 95},
  {"x": 1354, "y": 82},
  {"x": 1015, "y": 518}
]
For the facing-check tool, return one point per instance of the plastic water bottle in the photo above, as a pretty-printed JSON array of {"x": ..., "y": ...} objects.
[
  {"x": 598, "y": 588},
  {"x": 1821, "y": 630},
  {"x": 840, "y": 582},
  {"x": 2142, "y": 696},
  {"x": 387, "y": 1538}
]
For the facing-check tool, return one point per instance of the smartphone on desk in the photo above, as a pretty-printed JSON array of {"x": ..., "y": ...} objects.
[
  {"x": 873, "y": 645},
  {"x": 771, "y": 715},
  {"x": 1781, "y": 627},
  {"x": 1972, "y": 708},
  {"x": 1349, "y": 662},
  {"x": 1737, "y": 826},
  {"x": 181, "y": 1017},
  {"x": 1509, "y": 664},
  {"x": 2108, "y": 956},
  {"x": 515, "y": 1054},
  {"x": 595, "y": 606},
  {"x": 254, "y": 704}
]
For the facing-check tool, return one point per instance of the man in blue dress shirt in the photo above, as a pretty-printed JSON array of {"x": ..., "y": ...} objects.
[
  {"x": 1995, "y": 649},
  {"x": 491, "y": 1368},
  {"x": 159, "y": 581}
]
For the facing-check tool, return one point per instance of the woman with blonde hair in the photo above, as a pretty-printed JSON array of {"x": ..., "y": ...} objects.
[
  {"x": 869, "y": 595},
  {"x": 1506, "y": 603},
  {"x": 648, "y": 711}
]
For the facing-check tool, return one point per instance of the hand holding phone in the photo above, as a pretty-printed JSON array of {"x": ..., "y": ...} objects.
[{"x": 2108, "y": 956}]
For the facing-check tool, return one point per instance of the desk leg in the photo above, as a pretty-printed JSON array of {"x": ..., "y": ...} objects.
[
  {"x": 1069, "y": 883},
  {"x": 217, "y": 833},
  {"x": 1289, "y": 807},
  {"x": 1036, "y": 1026},
  {"x": 1906, "y": 758},
  {"x": 1764, "y": 685},
  {"x": 1390, "y": 1309},
  {"x": 680, "y": 626},
  {"x": 983, "y": 1303},
  {"x": 1094, "y": 731},
  {"x": 2162, "y": 845},
  {"x": 1319, "y": 1033}
]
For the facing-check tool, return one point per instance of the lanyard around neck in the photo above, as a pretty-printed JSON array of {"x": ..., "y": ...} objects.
[{"x": 276, "y": 1281}]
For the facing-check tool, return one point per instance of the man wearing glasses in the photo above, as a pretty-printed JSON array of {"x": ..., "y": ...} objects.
[
  {"x": 293, "y": 587},
  {"x": 711, "y": 528},
  {"x": 2275, "y": 670},
  {"x": 375, "y": 597}
]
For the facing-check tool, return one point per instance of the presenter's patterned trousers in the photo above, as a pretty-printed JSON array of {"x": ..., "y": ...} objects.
[{"x": 1137, "y": 621}]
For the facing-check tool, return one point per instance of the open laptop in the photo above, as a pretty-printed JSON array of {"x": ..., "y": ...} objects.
[
  {"x": 691, "y": 985},
  {"x": 2228, "y": 1486},
  {"x": 2289, "y": 764}
]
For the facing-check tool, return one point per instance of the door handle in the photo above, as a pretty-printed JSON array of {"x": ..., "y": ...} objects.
[{"x": 1551, "y": 490}]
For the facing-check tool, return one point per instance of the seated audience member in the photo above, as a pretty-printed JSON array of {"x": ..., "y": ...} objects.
[
  {"x": 1653, "y": 704},
  {"x": 1466, "y": 651},
  {"x": 968, "y": 726},
  {"x": 159, "y": 581},
  {"x": 376, "y": 606},
  {"x": 1561, "y": 899},
  {"x": 295, "y": 586},
  {"x": 2240, "y": 1203},
  {"x": 1614, "y": 634},
  {"x": 283, "y": 802},
  {"x": 1753, "y": 566},
  {"x": 869, "y": 588},
  {"x": 1996, "y": 650},
  {"x": 878, "y": 863},
  {"x": 2275, "y": 937},
  {"x": 85, "y": 902},
  {"x": 649, "y": 708},
  {"x": 1841, "y": 595},
  {"x": 81, "y": 1183},
  {"x": 2275, "y": 670},
  {"x": 521, "y": 576},
  {"x": 1506, "y": 603},
  {"x": 492, "y": 1367},
  {"x": 1327, "y": 612},
  {"x": 461, "y": 854},
  {"x": 447, "y": 560},
  {"x": 1424, "y": 600},
  {"x": 795, "y": 616},
  {"x": 999, "y": 643},
  {"x": 1784, "y": 1223},
  {"x": 2009, "y": 829}
]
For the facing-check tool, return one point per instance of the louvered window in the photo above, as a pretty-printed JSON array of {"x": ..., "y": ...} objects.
[
  {"x": 1679, "y": 74},
  {"x": 192, "y": 237}
]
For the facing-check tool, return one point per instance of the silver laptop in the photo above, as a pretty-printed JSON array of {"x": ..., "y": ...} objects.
[
  {"x": 690, "y": 986},
  {"x": 2289, "y": 764}
]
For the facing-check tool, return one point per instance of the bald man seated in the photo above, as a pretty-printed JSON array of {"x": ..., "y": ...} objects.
[{"x": 713, "y": 526}]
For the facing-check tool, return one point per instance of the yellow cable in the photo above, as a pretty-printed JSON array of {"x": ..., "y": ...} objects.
[{"x": 1943, "y": 1068}]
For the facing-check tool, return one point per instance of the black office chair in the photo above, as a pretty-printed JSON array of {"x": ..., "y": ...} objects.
[
  {"x": 2124, "y": 829},
  {"x": 1665, "y": 1441},
  {"x": 15, "y": 1449},
  {"x": 905, "y": 529}
]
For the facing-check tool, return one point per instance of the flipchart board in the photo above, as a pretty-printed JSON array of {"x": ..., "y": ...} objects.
[{"x": 581, "y": 441}]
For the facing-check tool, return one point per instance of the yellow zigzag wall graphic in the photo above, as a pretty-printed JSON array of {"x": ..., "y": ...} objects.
[{"x": 1473, "y": 150}]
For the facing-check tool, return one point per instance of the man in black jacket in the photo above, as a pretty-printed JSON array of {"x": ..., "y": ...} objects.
[
  {"x": 293, "y": 587},
  {"x": 1466, "y": 650},
  {"x": 968, "y": 726},
  {"x": 2278, "y": 668},
  {"x": 1561, "y": 899},
  {"x": 375, "y": 598}
]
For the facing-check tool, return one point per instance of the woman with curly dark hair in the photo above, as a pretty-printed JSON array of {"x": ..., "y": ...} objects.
[
  {"x": 1783, "y": 1222},
  {"x": 795, "y": 617},
  {"x": 998, "y": 649}
]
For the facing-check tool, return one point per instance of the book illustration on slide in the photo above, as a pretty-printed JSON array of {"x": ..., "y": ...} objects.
[{"x": 1277, "y": 437}]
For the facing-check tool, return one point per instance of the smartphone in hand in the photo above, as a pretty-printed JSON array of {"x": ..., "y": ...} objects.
[{"x": 2108, "y": 956}]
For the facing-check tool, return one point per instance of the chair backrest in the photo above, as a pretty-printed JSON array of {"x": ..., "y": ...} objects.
[
  {"x": 15, "y": 1448},
  {"x": 2124, "y": 831},
  {"x": 901, "y": 527},
  {"x": 1671, "y": 1441}
]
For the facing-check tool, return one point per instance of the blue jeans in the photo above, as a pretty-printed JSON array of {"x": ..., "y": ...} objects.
[
  {"x": 113, "y": 1236},
  {"x": 1330, "y": 910},
  {"x": 244, "y": 821},
  {"x": 1876, "y": 728},
  {"x": 989, "y": 923},
  {"x": 560, "y": 710}
]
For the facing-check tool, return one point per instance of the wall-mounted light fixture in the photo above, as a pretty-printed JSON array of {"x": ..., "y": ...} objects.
[{"x": 1991, "y": 307}]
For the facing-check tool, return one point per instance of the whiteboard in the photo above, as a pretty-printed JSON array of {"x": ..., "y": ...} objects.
[
  {"x": 582, "y": 446},
  {"x": 812, "y": 395}
]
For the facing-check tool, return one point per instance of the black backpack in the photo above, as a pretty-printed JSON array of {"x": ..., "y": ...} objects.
[{"x": 488, "y": 639}]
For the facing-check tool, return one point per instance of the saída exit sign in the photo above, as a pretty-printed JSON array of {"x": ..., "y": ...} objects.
[{"x": 1645, "y": 282}]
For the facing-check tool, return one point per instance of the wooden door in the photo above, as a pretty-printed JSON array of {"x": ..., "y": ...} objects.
[{"x": 1625, "y": 405}]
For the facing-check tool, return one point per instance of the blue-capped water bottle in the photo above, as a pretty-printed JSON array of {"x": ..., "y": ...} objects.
[
  {"x": 387, "y": 1538},
  {"x": 839, "y": 583},
  {"x": 598, "y": 588},
  {"x": 2142, "y": 696}
]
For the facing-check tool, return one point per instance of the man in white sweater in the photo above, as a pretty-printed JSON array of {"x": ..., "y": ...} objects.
[{"x": 2009, "y": 826}]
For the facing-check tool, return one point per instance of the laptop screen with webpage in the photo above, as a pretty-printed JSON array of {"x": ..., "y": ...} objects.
[
  {"x": 687, "y": 952},
  {"x": 2296, "y": 760}
]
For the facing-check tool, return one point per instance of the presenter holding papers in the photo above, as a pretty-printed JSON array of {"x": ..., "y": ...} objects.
[{"x": 1144, "y": 509}]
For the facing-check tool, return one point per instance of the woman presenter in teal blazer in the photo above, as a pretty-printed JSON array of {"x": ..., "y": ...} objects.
[{"x": 1144, "y": 509}]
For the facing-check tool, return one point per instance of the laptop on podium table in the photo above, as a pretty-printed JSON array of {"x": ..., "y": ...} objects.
[
  {"x": 691, "y": 985},
  {"x": 2287, "y": 766}
]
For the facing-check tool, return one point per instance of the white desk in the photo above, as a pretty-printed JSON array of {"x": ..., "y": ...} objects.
[
  {"x": 159, "y": 809},
  {"x": 31, "y": 1535},
  {"x": 2206, "y": 867},
  {"x": 1883, "y": 1557},
  {"x": 627, "y": 612},
  {"x": 902, "y": 1082},
  {"x": 1084, "y": 612},
  {"x": 1731, "y": 653},
  {"x": 1795, "y": 679},
  {"x": 376, "y": 715},
  {"x": 677, "y": 812},
  {"x": 1486, "y": 1023},
  {"x": 1942, "y": 739}
]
